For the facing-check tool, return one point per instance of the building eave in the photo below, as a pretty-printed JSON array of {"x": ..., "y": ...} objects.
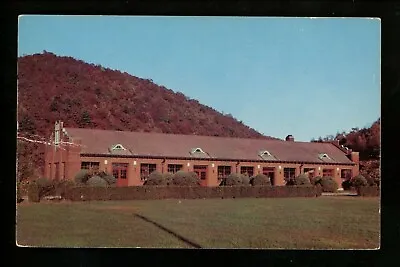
[{"x": 215, "y": 159}]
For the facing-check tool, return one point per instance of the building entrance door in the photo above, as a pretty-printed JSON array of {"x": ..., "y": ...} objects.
[
  {"x": 120, "y": 172},
  {"x": 201, "y": 171}
]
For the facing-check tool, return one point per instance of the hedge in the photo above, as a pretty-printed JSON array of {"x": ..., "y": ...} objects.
[
  {"x": 188, "y": 192},
  {"x": 368, "y": 191}
]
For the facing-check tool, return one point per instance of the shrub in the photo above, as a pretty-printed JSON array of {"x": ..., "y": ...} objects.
[
  {"x": 96, "y": 181},
  {"x": 62, "y": 187},
  {"x": 232, "y": 180},
  {"x": 82, "y": 177},
  {"x": 259, "y": 180},
  {"x": 19, "y": 195},
  {"x": 358, "y": 181},
  {"x": 33, "y": 192},
  {"x": 290, "y": 181},
  {"x": 155, "y": 178},
  {"x": 110, "y": 179},
  {"x": 370, "y": 180},
  {"x": 327, "y": 183},
  {"x": 316, "y": 180},
  {"x": 43, "y": 182},
  {"x": 169, "y": 178},
  {"x": 45, "y": 186},
  {"x": 347, "y": 184},
  {"x": 302, "y": 179},
  {"x": 182, "y": 178},
  {"x": 245, "y": 180}
]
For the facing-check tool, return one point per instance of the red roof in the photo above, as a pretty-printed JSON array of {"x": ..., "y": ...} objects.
[{"x": 100, "y": 142}]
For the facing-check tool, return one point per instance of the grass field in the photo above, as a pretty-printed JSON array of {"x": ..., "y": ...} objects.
[{"x": 320, "y": 223}]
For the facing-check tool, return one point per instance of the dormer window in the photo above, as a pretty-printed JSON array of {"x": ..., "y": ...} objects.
[
  {"x": 196, "y": 150},
  {"x": 118, "y": 147},
  {"x": 265, "y": 153},
  {"x": 324, "y": 156}
]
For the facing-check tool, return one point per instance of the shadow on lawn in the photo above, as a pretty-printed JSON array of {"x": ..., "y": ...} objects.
[{"x": 187, "y": 241}]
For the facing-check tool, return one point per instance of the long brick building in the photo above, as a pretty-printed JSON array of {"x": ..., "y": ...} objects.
[{"x": 132, "y": 156}]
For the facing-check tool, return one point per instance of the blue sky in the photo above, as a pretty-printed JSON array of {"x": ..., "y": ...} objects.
[{"x": 300, "y": 76}]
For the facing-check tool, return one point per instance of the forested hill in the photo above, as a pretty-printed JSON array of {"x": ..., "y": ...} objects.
[
  {"x": 366, "y": 140},
  {"x": 52, "y": 87}
]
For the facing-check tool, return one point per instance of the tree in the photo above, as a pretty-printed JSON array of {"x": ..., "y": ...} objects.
[{"x": 85, "y": 119}]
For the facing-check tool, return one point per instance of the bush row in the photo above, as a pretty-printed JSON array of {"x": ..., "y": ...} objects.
[
  {"x": 368, "y": 191},
  {"x": 94, "y": 178},
  {"x": 360, "y": 181},
  {"x": 188, "y": 192},
  {"x": 43, "y": 187}
]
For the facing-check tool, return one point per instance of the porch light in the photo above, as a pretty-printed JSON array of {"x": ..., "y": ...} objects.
[
  {"x": 105, "y": 161},
  {"x": 337, "y": 169},
  {"x": 319, "y": 168},
  {"x": 188, "y": 164},
  {"x": 280, "y": 167},
  {"x": 258, "y": 166},
  {"x": 212, "y": 165},
  {"x": 134, "y": 162}
]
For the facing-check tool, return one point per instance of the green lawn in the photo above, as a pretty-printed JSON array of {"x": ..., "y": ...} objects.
[{"x": 321, "y": 223}]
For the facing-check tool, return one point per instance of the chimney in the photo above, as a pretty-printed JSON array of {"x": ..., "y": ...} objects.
[
  {"x": 355, "y": 157},
  {"x": 290, "y": 138}
]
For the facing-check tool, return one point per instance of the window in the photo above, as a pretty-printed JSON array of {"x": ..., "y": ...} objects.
[
  {"x": 118, "y": 147},
  {"x": 270, "y": 172},
  {"x": 90, "y": 165},
  {"x": 223, "y": 171},
  {"x": 197, "y": 150},
  {"x": 309, "y": 171},
  {"x": 145, "y": 170},
  {"x": 346, "y": 174},
  {"x": 327, "y": 172},
  {"x": 247, "y": 170},
  {"x": 201, "y": 171},
  {"x": 265, "y": 153},
  {"x": 289, "y": 173},
  {"x": 119, "y": 170},
  {"x": 173, "y": 168}
]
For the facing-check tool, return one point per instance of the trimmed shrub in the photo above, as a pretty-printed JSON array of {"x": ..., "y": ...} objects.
[
  {"x": 232, "y": 180},
  {"x": 290, "y": 181},
  {"x": 63, "y": 187},
  {"x": 303, "y": 179},
  {"x": 327, "y": 183},
  {"x": 260, "y": 180},
  {"x": 358, "y": 181},
  {"x": 368, "y": 191},
  {"x": 45, "y": 186},
  {"x": 245, "y": 180},
  {"x": 43, "y": 182},
  {"x": 168, "y": 178},
  {"x": 346, "y": 185},
  {"x": 96, "y": 181},
  {"x": 33, "y": 192},
  {"x": 189, "y": 192},
  {"x": 155, "y": 178},
  {"x": 182, "y": 178},
  {"x": 110, "y": 179},
  {"x": 82, "y": 177}
]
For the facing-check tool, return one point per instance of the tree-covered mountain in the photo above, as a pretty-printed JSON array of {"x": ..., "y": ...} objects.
[{"x": 52, "y": 87}]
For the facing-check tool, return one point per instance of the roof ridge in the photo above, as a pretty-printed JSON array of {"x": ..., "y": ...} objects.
[{"x": 172, "y": 134}]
